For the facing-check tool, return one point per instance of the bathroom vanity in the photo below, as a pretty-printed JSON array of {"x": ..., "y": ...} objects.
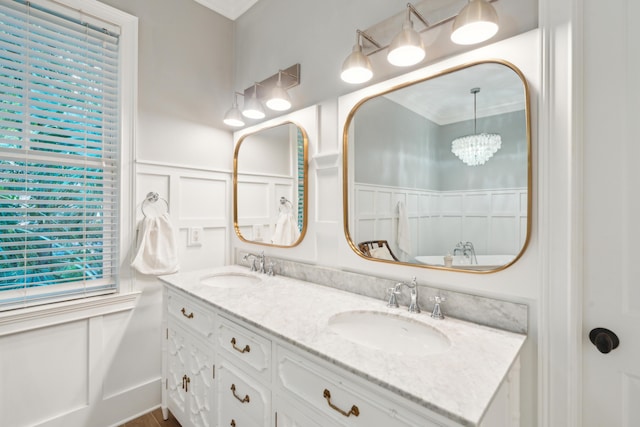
[{"x": 246, "y": 349}]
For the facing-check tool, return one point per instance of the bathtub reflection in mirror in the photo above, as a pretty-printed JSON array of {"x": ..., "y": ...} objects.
[{"x": 404, "y": 185}]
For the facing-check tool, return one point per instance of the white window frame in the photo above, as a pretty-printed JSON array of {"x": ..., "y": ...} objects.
[{"x": 125, "y": 298}]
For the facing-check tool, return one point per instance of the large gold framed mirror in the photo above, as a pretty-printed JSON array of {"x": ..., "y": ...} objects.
[
  {"x": 437, "y": 171},
  {"x": 270, "y": 185}
]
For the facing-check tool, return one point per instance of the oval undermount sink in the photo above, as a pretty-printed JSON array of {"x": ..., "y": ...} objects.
[
  {"x": 230, "y": 280},
  {"x": 389, "y": 333}
]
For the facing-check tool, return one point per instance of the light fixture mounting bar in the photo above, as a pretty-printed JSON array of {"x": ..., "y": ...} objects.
[
  {"x": 418, "y": 15},
  {"x": 290, "y": 77},
  {"x": 384, "y": 31},
  {"x": 369, "y": 38}
]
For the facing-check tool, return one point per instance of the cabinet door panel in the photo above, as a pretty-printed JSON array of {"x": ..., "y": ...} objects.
[
  {"x": 177, "y": 360},
  {"x": 201, "y": 388}
]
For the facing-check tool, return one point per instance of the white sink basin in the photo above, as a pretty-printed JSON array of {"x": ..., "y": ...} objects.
[
  {"x": 230, "y": 280},
  {"x": 389, "y": 333}
]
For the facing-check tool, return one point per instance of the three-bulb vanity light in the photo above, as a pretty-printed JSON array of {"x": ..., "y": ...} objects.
[
  {"x": 475, "y": 23},
  {"x": 272, "y": 91}
]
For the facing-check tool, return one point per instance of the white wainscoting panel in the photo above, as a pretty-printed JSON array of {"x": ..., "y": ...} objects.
[
  {"x": 202, "y": 198},
  {"x": 495, "y": 221},
  {"x": 119, "y": 342},
  {"x": 197, "y": 198},
  {"x": 259, "y": 204},
  {"x": 44, "y": 373}
]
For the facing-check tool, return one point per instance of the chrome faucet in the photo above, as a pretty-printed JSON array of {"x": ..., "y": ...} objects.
[
  {"x": 467, "y": 250},
  {"x": 393, "y": 292},
  {"x": 257, "y": 263}
]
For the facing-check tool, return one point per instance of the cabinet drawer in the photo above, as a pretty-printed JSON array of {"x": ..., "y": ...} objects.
[
  {"x": 244, "y": 347},
  {"x": 241, "y": 397},
  {"x": 336, "y": 396},
  {"x": 197, "y": 318}
]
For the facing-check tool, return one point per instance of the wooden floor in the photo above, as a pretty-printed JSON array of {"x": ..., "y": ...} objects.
[{"x": 152, "y": 419}]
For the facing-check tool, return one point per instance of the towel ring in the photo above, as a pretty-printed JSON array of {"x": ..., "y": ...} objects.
[
  {"x": 285, "y": 202},
  {"x": 152, "y": 197}
]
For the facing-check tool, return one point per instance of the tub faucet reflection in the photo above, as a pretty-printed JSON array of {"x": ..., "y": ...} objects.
[
  {"x": 257, "y": 262},
  {"x": 467, "y": 250}
]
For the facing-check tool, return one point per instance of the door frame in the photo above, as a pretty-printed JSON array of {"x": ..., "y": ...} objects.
[{"x": 560, "y": 209}]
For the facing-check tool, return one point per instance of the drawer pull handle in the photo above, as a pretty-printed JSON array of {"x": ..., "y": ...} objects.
[
  {"x": 184, "y": 313},
  {"x": 354, "y": 409},
  {"x": 246, "y": 396},
  {"x": 246, "y": 348},
  {"x": 233, "y": 423}
]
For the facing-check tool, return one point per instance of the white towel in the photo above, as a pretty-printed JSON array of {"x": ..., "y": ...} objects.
[
  {"x": 404, "y": 234},
  {"x": 286, "y": 232},
  {"x": 157, "y": 251}
]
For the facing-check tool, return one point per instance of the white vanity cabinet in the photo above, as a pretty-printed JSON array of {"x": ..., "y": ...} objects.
[
  {"x": 221, "y": 370},
  {"x": 189, "y": 361}
]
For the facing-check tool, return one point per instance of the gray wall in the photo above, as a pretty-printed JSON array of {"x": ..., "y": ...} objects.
[
  {"x": 395, "y": 147},
  {"x": 185, "y": 75},
  {"x": 268, "y": 151}
]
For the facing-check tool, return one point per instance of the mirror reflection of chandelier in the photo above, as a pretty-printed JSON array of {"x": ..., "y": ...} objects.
[{"x": 476, "y": 149}]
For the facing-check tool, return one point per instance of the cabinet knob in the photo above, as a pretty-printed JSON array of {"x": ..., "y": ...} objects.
[{"x": 604, "y": 339}]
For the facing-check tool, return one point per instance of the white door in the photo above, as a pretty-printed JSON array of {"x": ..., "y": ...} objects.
[{"x": 611, "y": 381}]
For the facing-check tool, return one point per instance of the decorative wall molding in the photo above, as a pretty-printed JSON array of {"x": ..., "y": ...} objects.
[
  {"x": 327, "y": 160},
  {"x": 494, "y": 220},
  {"x": 16, "y": 321}
]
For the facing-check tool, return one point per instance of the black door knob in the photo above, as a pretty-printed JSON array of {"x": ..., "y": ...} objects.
[{"x": 604, "y": 339}]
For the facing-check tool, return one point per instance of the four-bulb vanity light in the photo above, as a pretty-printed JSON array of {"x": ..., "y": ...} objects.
[
  {"x": 272, "y": 91},
  {"x": 475, "y": 23}
]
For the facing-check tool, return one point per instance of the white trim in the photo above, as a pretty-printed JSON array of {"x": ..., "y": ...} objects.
[
  {"x": 329, "y": 160},
  {"x": 182, "y": 166},
  {"x": 560, "y": 215},
  {"x": 42, "y": 316},
  {"x": 129, "y": 119}
]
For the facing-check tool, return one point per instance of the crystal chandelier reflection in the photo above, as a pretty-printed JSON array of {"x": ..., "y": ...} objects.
[{"x": 476, "y": 149}]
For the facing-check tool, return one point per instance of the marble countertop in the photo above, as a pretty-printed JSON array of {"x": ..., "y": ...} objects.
[{"x": 458, "y": 383}]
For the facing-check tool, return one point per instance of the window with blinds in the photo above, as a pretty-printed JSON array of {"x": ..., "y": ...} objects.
[{"x": 59, "y": 156}]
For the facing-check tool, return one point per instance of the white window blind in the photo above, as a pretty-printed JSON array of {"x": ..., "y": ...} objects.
[{"x": 59, "y": 167}]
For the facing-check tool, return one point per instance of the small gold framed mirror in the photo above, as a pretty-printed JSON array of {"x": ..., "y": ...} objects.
[{"x": 270, "y": 177}]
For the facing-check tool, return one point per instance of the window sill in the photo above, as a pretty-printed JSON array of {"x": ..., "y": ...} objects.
[{"x": 26, "y": 319}]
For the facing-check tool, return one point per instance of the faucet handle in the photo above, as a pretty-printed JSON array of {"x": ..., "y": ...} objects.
[
  {"x": 437, "y": 312},
  {"x": 270, "y": 271},
  {"x": 393, "y": 301}
]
